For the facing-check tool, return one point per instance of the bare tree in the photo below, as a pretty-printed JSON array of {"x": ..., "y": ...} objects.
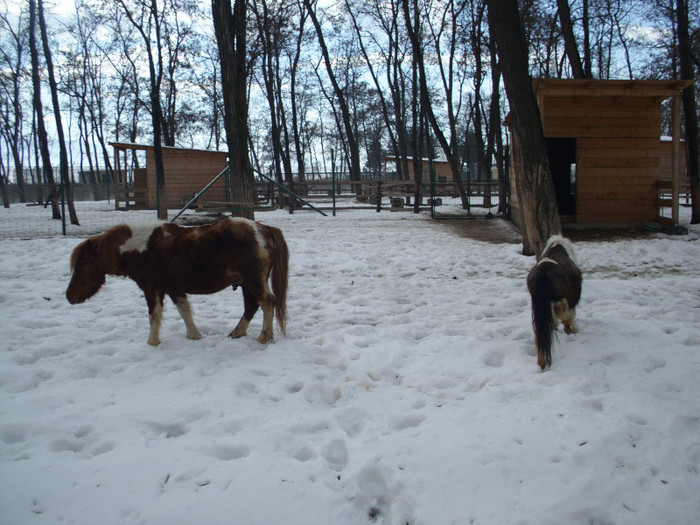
[
  {"x": 271, "y": 19},
  {"x": 384, "y": 42},
  {"x": 385, "y": 105},
  {"x": 208, "y": 79},
  {"x": 296, "y": 99},
  {"x": 538, "y": 205},
  {"x": 180, "y": 44},
  {"x": 413, "y": 21},
  {"x": 340, "y": 97},
  {"x": 62, "y": 147},
  {"x": 230, "y": 26},
  {"x": 41, "y": 133},
  {"x": 569, "y": 39},
  {"x": 690, "y": 109},
  {"x": 146, "y": 19},
  {"x": 11, "y": 116},
  {"x": 476, "y": 31}
]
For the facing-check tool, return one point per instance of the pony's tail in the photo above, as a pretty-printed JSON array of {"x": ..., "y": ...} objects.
[
  {"x": 542, "y": 318},
  {"x": 280, "y": 272}
]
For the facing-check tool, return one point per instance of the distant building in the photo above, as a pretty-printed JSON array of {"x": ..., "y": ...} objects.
[{"x": 187, "y": 171}]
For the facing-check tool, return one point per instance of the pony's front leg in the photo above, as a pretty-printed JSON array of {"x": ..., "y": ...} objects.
[
  {"x": 155, "y": 316},
  {"x": 185, "y": 309}
]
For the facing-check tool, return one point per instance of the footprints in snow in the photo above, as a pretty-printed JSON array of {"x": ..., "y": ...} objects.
[{"x": 336, "y": 455}]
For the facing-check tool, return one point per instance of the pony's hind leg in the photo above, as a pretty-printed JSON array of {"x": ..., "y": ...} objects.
[
  {"x": 566, "y": 315},
  {"x": 185, "y": 309},
  {"x": 267, "y": 303},
  {"x": 250, "y": 307},
  {"x": 252, "y": 300},
  {"x": 570, "y": 326},
  {"x": 266, "y": 300}
]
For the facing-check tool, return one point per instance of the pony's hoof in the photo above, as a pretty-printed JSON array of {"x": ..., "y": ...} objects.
[
  {"x": 264, "y": 338},
  {"x": 195, "y": 336},
  {"x": 154, "y": 342},
  {"x": 235, "y": 334},
  {"x": 571, "y": 329}
]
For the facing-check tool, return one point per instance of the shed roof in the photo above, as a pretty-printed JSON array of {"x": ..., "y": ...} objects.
[
  {"x": 134, "y": 146},
  {"x": 609, "y": 88}
]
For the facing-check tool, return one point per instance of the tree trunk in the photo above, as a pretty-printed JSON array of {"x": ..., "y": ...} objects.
[
  {"x": 3, "y": 186},
  {"x": 155, "y": 69},
  {"x": 587, "y": 67},
  {"x": 353, "y": 146},
  {"x": 38, "y": 110},
  {"x": 534, "y": 184},
  {"x": 690, "y": 109},
  {"x": 386, "y": 111},
  {"x": 230, "y": 29},
  {"x": 12, "y": 124},
  {"x": 63, "y": 152},
  {"x": 296, "y": 125},
  {"x": 452, "y": 156},
  {"x": 495, "y": 139},
  {"x": 570, "y": 46}
]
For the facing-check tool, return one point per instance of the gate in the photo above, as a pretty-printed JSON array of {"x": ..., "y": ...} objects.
[{"x": 481, "y": 199}]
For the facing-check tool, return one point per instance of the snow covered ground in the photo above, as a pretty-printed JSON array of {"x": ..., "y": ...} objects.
[{"x": 406, "y": 391}]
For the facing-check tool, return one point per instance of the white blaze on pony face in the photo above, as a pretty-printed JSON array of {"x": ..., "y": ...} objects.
[{"x": 140, "y": 233}]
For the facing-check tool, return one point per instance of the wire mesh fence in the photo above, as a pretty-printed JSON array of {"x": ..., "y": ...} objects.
[
  {"x": 26, "y": 221},
  {"x": 323, "y": 197}
]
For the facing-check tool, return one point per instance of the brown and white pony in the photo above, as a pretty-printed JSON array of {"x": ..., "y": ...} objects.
[
  {"x": 169, "y": 259},
  {"x": 555, "y": 289}
]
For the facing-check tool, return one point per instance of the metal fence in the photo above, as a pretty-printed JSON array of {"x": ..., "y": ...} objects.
[{"x": 96, "y": 210}]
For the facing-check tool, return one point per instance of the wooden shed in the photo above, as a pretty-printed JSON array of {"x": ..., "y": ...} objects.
[
  {"x": 187, "y": 171},
  {"x": 443, "y": 171},
  {"x": 603, "y": 141}
]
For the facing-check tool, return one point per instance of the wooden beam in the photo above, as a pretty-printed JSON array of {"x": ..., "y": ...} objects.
[
  {"x": 676, "y": 158},
  {"x": 115, "y": 177}
]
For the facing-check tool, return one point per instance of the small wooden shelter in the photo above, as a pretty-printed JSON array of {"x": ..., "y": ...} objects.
[
  {"x": 187, "y": 171},
  {"x": 443, "y": 171},
  {"x": 603, "y": 142}
]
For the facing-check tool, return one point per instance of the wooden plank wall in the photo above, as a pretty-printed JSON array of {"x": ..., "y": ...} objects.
[
  {"x": 618, "y": 154},
  {"x": 186, "y": 173}
]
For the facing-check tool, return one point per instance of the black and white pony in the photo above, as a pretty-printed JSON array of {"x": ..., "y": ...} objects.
[{"x": 555, "y": 289}]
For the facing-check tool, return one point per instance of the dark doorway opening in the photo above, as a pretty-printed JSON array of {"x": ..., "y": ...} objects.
[{"x": 562, "y": 162}]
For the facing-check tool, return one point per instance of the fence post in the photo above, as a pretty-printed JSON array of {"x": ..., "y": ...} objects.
[
  {"x": 333, "y": 190},
  {"x": 432, "y": 190},
  {"x": 379, "y": 195}
]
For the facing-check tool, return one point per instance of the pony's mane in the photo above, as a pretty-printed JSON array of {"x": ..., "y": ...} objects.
[
  {"x": 558, "y": 240},
  {"x": 76, "y": 253}
]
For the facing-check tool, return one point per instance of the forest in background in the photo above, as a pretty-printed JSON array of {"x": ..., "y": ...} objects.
[{"x": 330, "y": 87}]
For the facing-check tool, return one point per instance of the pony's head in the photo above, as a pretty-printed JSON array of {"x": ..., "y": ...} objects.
[{"x": 88, "y": 272}]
